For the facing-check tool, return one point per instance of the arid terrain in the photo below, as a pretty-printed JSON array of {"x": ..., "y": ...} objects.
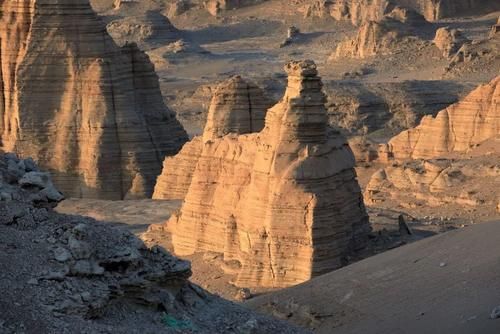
[{"x": 249, "y": 166}]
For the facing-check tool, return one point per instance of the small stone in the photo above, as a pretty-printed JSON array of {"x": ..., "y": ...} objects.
[
  {"x": 33, "y": 281},
  {"x": 243, "y": 294},
  {"x": 495, "y": 314},
  {"x": 62, "y": 254},
  {"x": 442, "y": 264}
]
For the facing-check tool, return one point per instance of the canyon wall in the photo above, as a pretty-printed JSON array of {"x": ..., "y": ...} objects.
[
  {"x": 89, "y": 111},
  {"x": 283, "y": 205},
  {"x": 238, "y": 107},
  {"x": 455, "y": 129}
]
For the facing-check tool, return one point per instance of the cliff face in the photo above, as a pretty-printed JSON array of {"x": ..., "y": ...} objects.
[
  {"x": 238, "y": 107},
  {"x": 282, "y": 205},
  {"x": 85, "y": 109},
  {"x": 455, "y": 129},
  {"x": 438, "y": 9}
]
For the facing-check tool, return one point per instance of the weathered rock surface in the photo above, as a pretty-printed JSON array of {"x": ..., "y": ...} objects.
[
  {"x": 455, "y": 129},
  {"x": 89, "y": 111},
  {"x": 382, "y": 35},
  {"x": 355, "y": 11},
  {"x": 215, "y": 7},
  {"x": 238, "y": 107},
  {"x": 449, "y": 41},
  {"x": 148, "y": 30},
  {"x": 62, "y": 273},
  {"x": 388, "y": 107},
  {"x": 466, "y": 183},
  {"x": 438, "y": 9},
  {"x": 282, "y": 205}
]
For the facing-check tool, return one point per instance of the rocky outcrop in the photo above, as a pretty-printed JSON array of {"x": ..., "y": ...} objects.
[
  {"x": 215, "y": 7},
  {"x": 80, "y": 275},
  {"x": 355, "y": 11},
  {"x": 495, "y": 29},
  {"x": 89, "y": 111},
  {"x": 282, "y": 205},
  {"x": 148, "y": 30},
  {"x": 455, "y": 129},
  {"x": 372, "y": 38},
  {"x": 437, "y": 182},
  {"x": 438, "y": 9},
  {"x": 238, "y": 107},
  {"x": 382, "y": 35},
  {"x": 449, "y": 41}
]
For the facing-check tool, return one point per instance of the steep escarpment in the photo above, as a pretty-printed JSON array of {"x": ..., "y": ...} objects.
[
  {"x": 89, "y": 111},
  {"x": 457, "y": 128},
  {"x": 438, "y": 9},
  {"x": 63, "y": 273},
  {"x": 383, "y": 34},
  {"x": 282, "y": 205},
  {"x": 237, "y": 107}
]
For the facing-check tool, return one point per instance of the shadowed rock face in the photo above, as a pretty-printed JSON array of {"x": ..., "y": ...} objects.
[
  {"x": 238, "y": 107},
  {"x": 282, "y": 205},
  {"x": 438, "y": 9},
  {"x": 455, "y": 129},
  {"x": 84, "y": 108}
]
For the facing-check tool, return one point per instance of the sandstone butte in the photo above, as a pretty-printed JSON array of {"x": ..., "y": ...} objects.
[
  {"x": 455, "y": 129},
  {"x": 84, "y": 108},
  {"x": 283, "y": 205},
  {"x": 237, "y": 106}
]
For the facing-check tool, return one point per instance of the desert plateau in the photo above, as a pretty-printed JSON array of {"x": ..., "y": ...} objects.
[{"x": 250, "y": 166}]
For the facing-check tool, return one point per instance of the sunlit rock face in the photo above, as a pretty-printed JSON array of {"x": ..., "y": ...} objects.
[
  {"x": 237, "y": 107},
  {"x": 87, "y": 110},
  {"x": 455, "y": 129},
  {"x": 283, "y": 205}
]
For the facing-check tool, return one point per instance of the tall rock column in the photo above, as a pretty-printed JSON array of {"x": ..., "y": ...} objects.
[{"x": 282, "y": 205}]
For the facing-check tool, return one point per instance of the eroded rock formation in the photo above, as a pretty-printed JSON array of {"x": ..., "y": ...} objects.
[
  {"x": 382, "y": 35},
  {"x": 438, "y": 9},
  {"x": 215, "y": 7},
  {"x": 85, "y": 109},
  {"x": 449, "y": 41},
  {"x": 455, "y": 129},
  {"x": 150, "y": 29},
  {"x": 282, "y": 205},
  {"x": 73, "y": 270},
  {"x": 237, "y": 106}
]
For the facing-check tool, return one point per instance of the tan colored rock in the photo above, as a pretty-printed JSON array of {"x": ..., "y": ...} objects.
[
  {"x": 434, "y": 10},
  {"x": 89, "y": 111},
  {"x": 215, "y": 7},
  {"x": 455, "y": 129},
  {"x": 237, "y": 106},
  {"x": 372, "y": 38},
  {"x": 449, "y": 41},
  {"x": 461, "y": 183},
  {"x": 148, "y": 30},
  {"x": 282, "y": 205},
  {"x": 495, "y": 29}
]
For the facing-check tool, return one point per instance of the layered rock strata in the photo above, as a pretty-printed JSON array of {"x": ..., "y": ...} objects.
[
  {"x": 455, "y": 129},
  {"x": 449, "y": 41},
  {"x": 438, "y": 9},
  {"x": 382, "y": 35},
  {"x": 215, "y": 7},
  {"x": 238, "y": 107},
  {"x": 282, "y": 205},
  {"x": 66, "y": 273},
  {"x": 85, "y": 109}
]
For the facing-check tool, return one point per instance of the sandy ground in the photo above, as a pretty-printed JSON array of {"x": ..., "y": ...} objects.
[{"x": 444, "y": 284}]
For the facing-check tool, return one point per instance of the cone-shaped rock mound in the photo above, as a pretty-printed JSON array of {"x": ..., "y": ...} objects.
[
  {"x": 84, "y": 108},
  {"x": 283, "y": 205}
]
